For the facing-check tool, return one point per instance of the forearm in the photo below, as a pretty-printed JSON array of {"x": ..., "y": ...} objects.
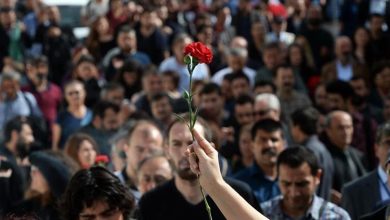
[{"x": 231, "y": 204}]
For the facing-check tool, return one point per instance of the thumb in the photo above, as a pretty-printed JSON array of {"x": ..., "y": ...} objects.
[{"x": 203, "y": 143}]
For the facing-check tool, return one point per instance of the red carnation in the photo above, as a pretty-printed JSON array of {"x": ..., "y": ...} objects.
[
  {"x": 199, "y": 51},
  {"x": 101, "y": 159}
]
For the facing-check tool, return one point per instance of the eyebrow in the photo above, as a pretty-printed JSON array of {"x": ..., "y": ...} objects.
[{"x": 87, "y": 215}]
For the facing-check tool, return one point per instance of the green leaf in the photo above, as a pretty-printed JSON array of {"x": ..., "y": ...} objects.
[
  {"x": 187, "y": 59},
  {"x": 186, "y": 95},
  {"x": 180, "y": 117}
]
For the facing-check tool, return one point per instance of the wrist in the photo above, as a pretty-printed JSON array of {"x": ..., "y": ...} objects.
[{"x": 216, "y": 187}]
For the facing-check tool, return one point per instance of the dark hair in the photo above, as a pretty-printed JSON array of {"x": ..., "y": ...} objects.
[
  {"x": 111, "y": 86},
  {"x": 100, "y": 108},
  {"x": 86, "y": 58},
  {"x": 341, "y": 88},
  {"x": 137, "y": 123},
  {"x": 42, "y": 59},
  {"x": 95, "y": 184},
  {"x": 159, "y": 96},
  {"x": 211, "y": 88},
  {"x": 267, "y": 125},
  {"x": 174, "y": 75},
  {"x": 126, "y": 29},
  {"x": 73, "y": 144},
  {"x": 262, "y": 83},
  {"x": 306, "y": 119},
  {"x": 294, "y": 157},
  {"x": 383, "y": 131},
  {"x": 301, "y": 50},
  {"x": 15, "y": 124},
  {"x": 244, "y": 99},
  {"x": 271, "y": 46},
  {"x": 184, "y": 118},
  {"x": 238, "y": 75},
  {"x": 282, "y": 66},
  {"x": 379, "y": 67}
]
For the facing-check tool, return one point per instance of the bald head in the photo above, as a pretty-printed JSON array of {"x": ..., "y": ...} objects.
[
  {"x": 343, "y": 48},
  {"x": 239, "y": 42},
  {"x": 339, "y": 128}
]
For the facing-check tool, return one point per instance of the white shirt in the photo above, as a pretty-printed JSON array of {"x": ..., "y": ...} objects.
[
  {"x": 201, "y": 72},
  {"x": 218, "y": 76},
  {"x": 344, "y": 72},
  {"x": 382, "y": 183}
]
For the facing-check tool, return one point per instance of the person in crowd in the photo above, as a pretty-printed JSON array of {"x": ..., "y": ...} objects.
[
  {"x": 257, "y": 42},
  {"x": 230, "y": 202},
  {"x": 100, "y": 39},
  {"x": 341, "y": 96},
  {"x": 162, "y": 110},
  {"x": 75, "y": 116},
  {"x": 320, "y": 40},
  {"x": 264, "y": 87},
  {"x": 344, "y": 66},
  {"x": 96, "y": 193},
  {"x": 245, "y": 144},
  {"x": 181, "y": 198},
  {"x": 176, "y": 63},
  {"x": 14, "y": 40},
  {"x": 83, "y": 149},
  {"x": 290, "y": 99},
  {"x": 212, "y": 104},
  {"x": 126, "y": 49},
  {"x": 151, "y": 85},
  {"x": 154, "y": 171},
  {"x": 14, "y": 102},
  {"x": 150, "y": 39},
  {"x": 129, "y": 77},
  {"x": 114, "y": 92},
  {"x": 18, "y": 138},
  {"x": 381, "y": 74},
  {"x": 47, "y": 94},
  {"x": 271, "y": 59},
  {"x": 320, "y": 98},
  {"x": 278, "y": 32},
  {"x": 143, "y": 139},
  {"x": 303, "y": 71},
  {"x": 86, "y": 71},
  {"x": 239, "y": 84},
  {"x": 117, "y": 14},
  {"x": 49, "y": 178},
  {"x": 236, "y": 61},
  {"x": 359, "y": 202},
  {"x": 268, "y": 141},
  {"x": 379, "y": 37},
  {"x": 304, "y": 124},
  {"x": 93, "y": 10},
  {"x": 299, "y": 175},
  {"x": 349, "y": 163},
  {"x": 362, "y": 45},
  {"x": 104, "y": 124}
]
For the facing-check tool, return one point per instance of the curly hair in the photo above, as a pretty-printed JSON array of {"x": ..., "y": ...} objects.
[{"x": 93, "y": 185}]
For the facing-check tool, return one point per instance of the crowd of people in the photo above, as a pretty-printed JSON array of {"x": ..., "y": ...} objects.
[{"x": 294, "y": 110}]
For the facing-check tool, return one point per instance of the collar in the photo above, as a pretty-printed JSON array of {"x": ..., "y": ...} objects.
[
  {"x": 382, "y": 174},
  {"x": 313, "y": 212},
  {"x": 129, "y": 182},
  {"x": 309, "y": 139}
]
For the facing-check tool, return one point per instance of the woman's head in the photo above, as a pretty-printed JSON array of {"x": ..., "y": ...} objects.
[
  {"x": 82, "y": 148},
  {"x": 74, "y": 92},
  {"x": 296, "y": 55},
  {"x": 361, "y": 37},
  {"x": 86, "y": 69}
]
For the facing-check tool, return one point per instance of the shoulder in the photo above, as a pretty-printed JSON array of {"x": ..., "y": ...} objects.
[
  {"x": 271, "y": 207},
  {"x": 332, "y": 211},
  {"x": 357, "y": 184},
  {"x": 157, "y": 195},
  {"x": 243, "y": 174}
]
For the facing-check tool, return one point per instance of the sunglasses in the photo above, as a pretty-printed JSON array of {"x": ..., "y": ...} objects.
[
  {"x": 71, "y": 93},
  {"x": 261, "y": 112}
]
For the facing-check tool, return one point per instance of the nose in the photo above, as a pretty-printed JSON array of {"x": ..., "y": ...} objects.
[{"x": 151, "y": 185}]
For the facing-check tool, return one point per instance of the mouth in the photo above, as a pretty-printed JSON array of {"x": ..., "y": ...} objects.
[{"x": 270, "y": 152}]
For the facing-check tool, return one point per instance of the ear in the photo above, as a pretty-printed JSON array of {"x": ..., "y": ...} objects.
[
  {"x": 14, "y": 136},
  {"x": 318, "y": 177}
]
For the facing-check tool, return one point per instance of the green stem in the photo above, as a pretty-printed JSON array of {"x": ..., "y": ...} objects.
[{"x": 191, "y": 68}]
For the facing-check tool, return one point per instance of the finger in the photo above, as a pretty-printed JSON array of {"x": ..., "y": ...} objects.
[
  {"x": 200, "y": 152},
  {"x": 193, "y": 164},
  {"x": 203, "y": 143}
]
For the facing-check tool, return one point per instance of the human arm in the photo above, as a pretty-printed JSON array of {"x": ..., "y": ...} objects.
[
  {"x": 231, "y": 204},
  {"x": 56, "y": 136}
]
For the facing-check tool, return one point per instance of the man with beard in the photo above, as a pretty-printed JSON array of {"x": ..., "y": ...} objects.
[
  {"x": 290, "y": 99},
  {"x": 18, "y": 139},
  {"x": 344, "y": 67},
  {"x": 104, "y": 124},
  {"x": 268, "y": 143},
  {"x": 181, "y": 198},
  {"x": 299, "y": 176}
]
